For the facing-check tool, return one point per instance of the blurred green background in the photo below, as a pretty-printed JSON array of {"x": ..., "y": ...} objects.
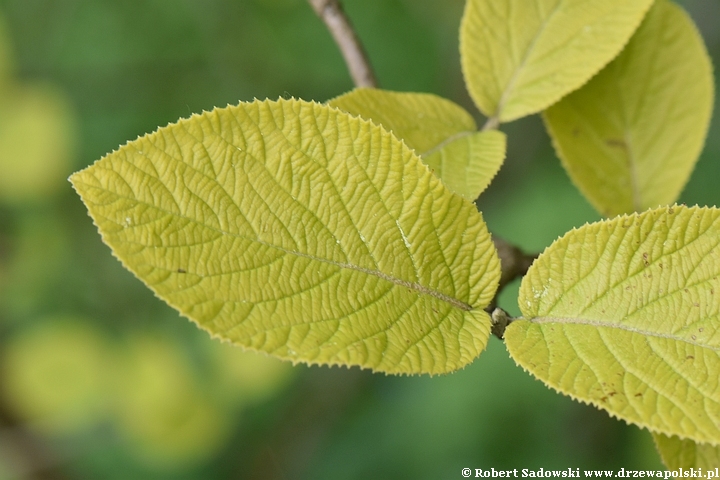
[{"x": 99, "y": 379}]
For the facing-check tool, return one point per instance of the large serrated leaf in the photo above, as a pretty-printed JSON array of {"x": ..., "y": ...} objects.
[
  {"x": 441, "y": 132},
  {"x": 682, "y": 453},
  {"x": 625, "y": 314},
  {"x": 295, "y": 229},
  {"x": 630, "y": 138},
  {"x": 519, "y": 57}
]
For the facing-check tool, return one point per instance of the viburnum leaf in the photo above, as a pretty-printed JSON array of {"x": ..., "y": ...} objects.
[
  {"x": 625, "y": 314},
  {"x": 440, "y": 131},
  {"x": 631, "y": 136},
  {"x": 295, "y": 229},
  {"x": 683, "y": 453},
  {"x": 519, "y": 57}
]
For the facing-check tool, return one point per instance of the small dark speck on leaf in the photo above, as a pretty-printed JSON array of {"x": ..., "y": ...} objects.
[
  {"x": 690, "y": 357},
  {"x": 616, "y": 142},
  {"x": 180, "y": 270},
  {"x": 638, "y": 394}
]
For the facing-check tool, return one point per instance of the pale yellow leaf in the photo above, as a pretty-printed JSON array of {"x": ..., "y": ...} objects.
[
  {"x": 625, "y": 314},
  {"x": 296, "y": 229},
  {"x": 630, "y": 138},
  {"x": 521, "y": 56},
  {"x": 441, "y": 132}
]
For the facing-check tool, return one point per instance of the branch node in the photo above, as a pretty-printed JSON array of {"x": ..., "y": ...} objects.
[
  {"x": 492, "y": 123},
  {"x": 500, "y": 320}
]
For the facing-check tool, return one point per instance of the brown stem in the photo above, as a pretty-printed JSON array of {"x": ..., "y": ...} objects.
[
  {"x": 347, "y": 40},
  {"x": 514, "y": 263},
  {"x": 492, "y": 123}
]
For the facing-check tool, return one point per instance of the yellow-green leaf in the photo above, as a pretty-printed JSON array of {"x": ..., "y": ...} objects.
[
  {"x": 630, "y": 138},
  {"x": 520, "y": 57},
  {"x": 683, "y": 453},
  {"x": 625, "y": 314},
  {"x": 296, "y": 229},
  {"x": 440, "y": 131}
]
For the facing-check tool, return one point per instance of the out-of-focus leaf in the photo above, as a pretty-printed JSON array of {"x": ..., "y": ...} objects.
[
  {"x": 37, "y": 137},
  {"x": 296, "y": 229},
  {"x": 441, "y": 132},
  {"x": 167, "y": 418},
  {"x": 683, "y": 453},
  {"x": 625, "y": 314},
  {"x": 630, "y": 138},
  {"x": 56, "y": 375},
  {"x": 520, "y": 57}
]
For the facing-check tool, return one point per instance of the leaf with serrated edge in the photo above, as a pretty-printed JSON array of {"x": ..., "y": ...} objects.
[
  {"x": 682, "y": 453},
  {"x": 625, "y": 314},
  {"x": 295, "y": 229},
  {"x": 520, "y": 57},
  {"x": 630, "y": 138},
  {"x": 440, "y": 131}
]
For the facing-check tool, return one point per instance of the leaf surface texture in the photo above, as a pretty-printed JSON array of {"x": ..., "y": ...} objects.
[
  {"x": 440, "y": 131},
  {"x": 631, "y": 136},
  {"x": 521, "y": 56},
  {"x": 295, "y": 229},
  {"x": 624, "y": 314}
]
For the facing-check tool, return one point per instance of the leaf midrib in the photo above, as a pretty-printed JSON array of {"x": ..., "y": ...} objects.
[
  {"x": 521, "y": 66},
  {"x": 422, "y": 289},
  {"x": 627, "y": 328},
  {"x": 446, "y": 142}
]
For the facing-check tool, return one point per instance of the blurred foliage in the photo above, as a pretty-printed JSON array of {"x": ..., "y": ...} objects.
[
  {"x": 99, "y": 379},
  {"x": 36, "y": 135},
  {"x": 55, "y": 375}
]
